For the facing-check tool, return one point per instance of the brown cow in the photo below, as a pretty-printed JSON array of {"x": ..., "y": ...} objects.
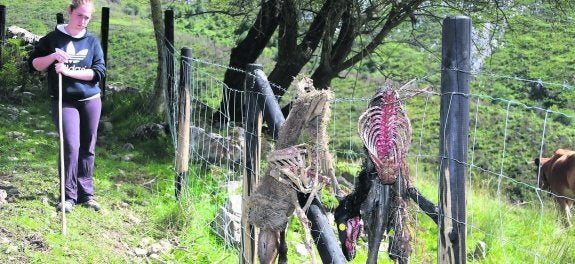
[{"x": 558, "y": 176}]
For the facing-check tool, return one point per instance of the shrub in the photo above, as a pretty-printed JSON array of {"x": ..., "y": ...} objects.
[{"x": 14, "y": 69}]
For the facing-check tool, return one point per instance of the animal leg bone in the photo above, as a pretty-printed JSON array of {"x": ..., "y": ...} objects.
[{"x": 307, "y": 232}]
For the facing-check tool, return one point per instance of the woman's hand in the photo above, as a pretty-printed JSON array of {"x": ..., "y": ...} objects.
[
  {"x": 42, "y": 63},
  {"x": 60, "y": 56},
  {"x": 61, "y": 68}
]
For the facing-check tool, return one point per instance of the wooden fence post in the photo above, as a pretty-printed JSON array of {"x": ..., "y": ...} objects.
[
  {"x": 169, "y": 57},
  {"x": 183, "y": 124},
  {"x": 253, "y": 122},
  {"x": 2, "y": 30},
  {"x": 454, "y": 127},
  {"x": 104, "y": 31},
  {"x": 59, "y": 18}
]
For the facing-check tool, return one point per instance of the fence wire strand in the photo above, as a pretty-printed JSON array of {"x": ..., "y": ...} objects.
[{"x": 212, "y": 148}]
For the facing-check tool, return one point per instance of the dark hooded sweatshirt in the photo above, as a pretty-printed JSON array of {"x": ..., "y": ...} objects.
[{"x": 85, "y": 52}]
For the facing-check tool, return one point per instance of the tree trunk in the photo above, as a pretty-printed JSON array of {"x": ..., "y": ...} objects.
[
  {"x": 292, "y": 57},
  {"x": 157, "y": 100},
  {"x": 347, "y": 32},
  {"x": 246, "y": 52}
]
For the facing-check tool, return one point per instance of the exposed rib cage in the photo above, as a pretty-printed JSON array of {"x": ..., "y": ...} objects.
[
  {"x": 291, "y": 163},
  {"x": 386, "y": 133}
]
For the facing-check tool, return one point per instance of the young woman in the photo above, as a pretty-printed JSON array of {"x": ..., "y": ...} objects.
[{"x": 73, "y": 52}]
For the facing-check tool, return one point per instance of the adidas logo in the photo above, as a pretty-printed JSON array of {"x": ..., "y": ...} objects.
[{"x": 75, "y": 57}]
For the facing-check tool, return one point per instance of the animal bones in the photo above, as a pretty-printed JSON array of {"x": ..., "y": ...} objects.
[
  {"x": 386, "y": 133},
  {"x": 383, "y": 183},
  {"x": 271, "y": 204},
  {"x": 291, "y": 163}
]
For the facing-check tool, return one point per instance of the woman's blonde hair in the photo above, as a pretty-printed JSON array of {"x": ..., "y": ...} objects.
[{"x": 76, "y": 3}]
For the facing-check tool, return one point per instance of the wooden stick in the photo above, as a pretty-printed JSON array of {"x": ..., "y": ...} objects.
[{"x": 62, "y": 169}]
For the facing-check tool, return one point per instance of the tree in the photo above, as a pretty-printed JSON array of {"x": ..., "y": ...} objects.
[
  {"x": 157, "y": 100},
  {"x": 340, "y": 33}
]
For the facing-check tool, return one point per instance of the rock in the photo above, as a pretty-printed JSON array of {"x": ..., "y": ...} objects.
[
  {"x": 11, "y": 249},
  {"x": 128, "y": 146},
  {"x": 4, "y": 240},
  {"x": 28, "y": 95},
  {"x": 15, "y": 135},
  {"x": 140, "y": 252},
  {"x": 18, "y": 32},
  {"x": 12, "y": 193},
  {"x": 133, "y": 219},
  {"x": 3, "y": 196},
  {"x": 121, "y": 206},
  {"x": 53, "y": 134},
  {"x": 227, "y": 226},
  {"x": 149, "y": 131},
  {"x": 234, "y": 189},
  {"x": 128, "y": 157},
  {"x": 227, "y": 223},
  {"x": 166, "y": 245},
  {"x": 36, "y": 241},
  {"x": 146, "y": 241},
  {"x": 156, "y": 248},
  {"x": 301, "y": 250},
  {"x": 214, "y": 148},
  {"x": 480, "y": 252},
  {"x": 106, "y": 126}
]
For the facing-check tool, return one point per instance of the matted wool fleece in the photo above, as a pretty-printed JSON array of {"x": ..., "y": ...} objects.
[{"x": 273, "y": 202}]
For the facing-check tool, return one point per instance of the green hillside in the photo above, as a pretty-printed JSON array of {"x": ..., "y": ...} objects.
[{"x": 521, "y": 103}]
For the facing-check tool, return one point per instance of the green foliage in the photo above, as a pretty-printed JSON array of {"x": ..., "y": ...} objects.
[
  {"x": 14, "y": 64},
  {"x": 533, "y": 49},
  {"x": 44, "y": 14},
  {"x": 328, "y": 199},
  {"x": 131, "y": 104},
  {"x": 397, "y": 61},
  {"x": 131, "y": 9},
  {"x": 509, "y": 221}
]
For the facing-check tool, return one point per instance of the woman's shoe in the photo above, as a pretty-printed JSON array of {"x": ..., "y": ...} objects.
[
  {"x": 92, "y": 204},
  {"x": 67, "y": 206}
]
